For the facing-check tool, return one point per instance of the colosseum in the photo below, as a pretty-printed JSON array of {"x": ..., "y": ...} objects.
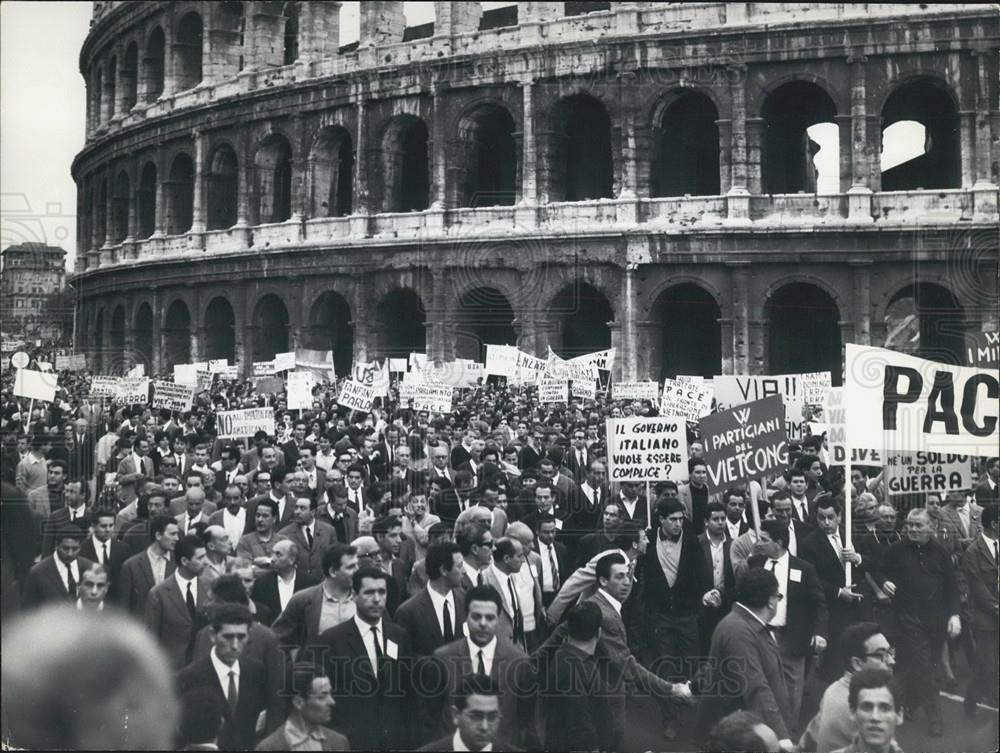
[{"x": 569, "y": 175}]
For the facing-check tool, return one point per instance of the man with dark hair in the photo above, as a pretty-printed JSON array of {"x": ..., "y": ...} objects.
[
  {"x": 694, "y": 494},
  {"x": 333, "y": 509},
  {"x": 861, "y": 646},
  {"x": 311, "y": 536},
  {"x": 172, "y": 609},
  {"x": 309, "y": 712},
  {"x": 714, "y": 545},
  {"x": 57, "y": 577},
  {"x": 553, "y": 558},
  {"x": 476, "y": 715},
  {"x": 388, "y": 533},
  {"x": 742, "y": 731},
  {"x": 592, "y": 544},
  {"x": 142, "y": 571},
  {"x": 988, "y": 490},
  {"x": 744, "y": 668},
  {"x": 202, "y": 715},
  {"x": 434, "y": 616},
  {"x": 876, "y": 704},
  {"x": 278, "y": 493},
  {"x": 979, "y": 565},
  {"x": 368, "y": 661},
  {"x": 577, "y": 713},
  {"x": 51, "y": 496},
  {"x": 240, "y": 681}
]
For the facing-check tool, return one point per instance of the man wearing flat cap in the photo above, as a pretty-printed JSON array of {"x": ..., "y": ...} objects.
[{"x": 676, "y": 583}]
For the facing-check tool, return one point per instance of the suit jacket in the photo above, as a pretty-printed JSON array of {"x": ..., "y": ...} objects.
[
  {"x": 117, "y": 554},
  {"x": 178, "y": 507},
  {"x": 167, "y": 618},
  {"x": 641, "y": 509},
  {"x": 298, "y": 625},
  {"x": 277, "y": 741},
  {"x": 573, "y": 464},
  {"x": 265, "y": 589},
  {"x": 818, "y": 551},
  {"x": 418, "y": 618},
  {"x": 563, "y": 561},
  {"x": 311, "y": 558},
  {"x": 81, "y": 458},
  {"x": 692, "y": 582},
  {"x": 286, "y": 514},
  {"x": 217, "y": 518},
  {"x": 182, "y": 521},
  {"x": 350, "y": 520},
  {"x": 238, "y": 727},
  {"x": 744, "y": 672},
  {"x": 127, "y": 468},
  {"x": 980, "y": 570},
  {"x": 728, "y": 574},
  {"x": 291, "y": 452},
  {"x": 950, "y": 514},
  {"x": 42, "y": 503},
  {"x": 584, "y": 513},
  {"x": 43, "y": 584},
  {"x": 512, "y": 669},
  {"x": 505, "y": 625},
  {"x": 806, "y": 610},
  {"x": 137, "y": 581},
  {"x": 50, "y": 528},
  {"x": 373, "y": 705},
  {"x": 985, "y": 495}
]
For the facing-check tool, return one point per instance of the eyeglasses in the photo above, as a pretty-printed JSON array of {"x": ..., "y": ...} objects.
[
  {"x": 882, "y": 654},
  {"x": 491, "y": 717}
]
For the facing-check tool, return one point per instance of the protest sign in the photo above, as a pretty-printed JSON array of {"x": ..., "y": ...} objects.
[
  {"x": 374, "y": 374},
  {"x": 834, "y": 413},
  {"x": 553, "y": 391},
  {"x": 732, "y": 390},
  {"x": 319, "y": 362},
  {"x": 235, "y": 424},
  {"x": 584, "y": 388},
  {"x": 635, "y": 391},
  {"x": 921, "y": 472},
  {"x": 139, "y": 370},
  {"x": 271, "y": 384},
  {"x": 202, "y": 381},
  {"x": 230, "y": 373},
  {"x": 284, "y": 362},
  {"x": 356, "y": 396},
  {"x": 983, "y": 350},
  {"x": 417, "y": 361},
  {"x": 557, "y": 368},
  {"x": 72, "y": 362},
  {"x": 36, "y": 385},
  {"x": 501, "y": 360},
  {"x": 186, "y": 373},
  {"x": 433, "y": 398},
  {"x": 133, "y": 391},
  {"x": 647, "y": 449},
  {"x": 397, "y": 365},
  {"x": 745, "y": 442},
  {"x": 906, "y": 403},
  {"x": 263, "y": 368},
  {"x": 172, "y": 397},
  {"x": 103, "y": 386},
  {"x": 528, "y": 368},
  {"x": 218, "y": 365},
  {"x": 815, "y": 387},
  {"x": 691, "y": 379},
  {"x": 601, "y": 359},
  {"x": 685, "y": 400},
  {"x": 299, "y": 387}
]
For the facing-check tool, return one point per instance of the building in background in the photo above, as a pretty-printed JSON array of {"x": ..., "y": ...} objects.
[{"x": 32, "y": 290}]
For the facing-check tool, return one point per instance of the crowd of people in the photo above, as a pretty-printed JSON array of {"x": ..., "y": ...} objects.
[{"x": 395, "y": 580}]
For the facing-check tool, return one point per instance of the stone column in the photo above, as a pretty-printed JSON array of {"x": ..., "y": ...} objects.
[
  {"x": 863, "y": 153},
  {"x": 243, "y": 178},
  {"x": 725, "y": 127},
  {"x": 739, "y": 274},
  {"x": 362, "y": 197},
  {"x": 727, "y": 333},
  {"x": 249, "y": 344},
  {"x": 319, "y": 29},
  {"x": 299, "y": 167},
  {"x": 453, "y": 18},
  {"x": 361, "y": 318},
  {"x": 529, "y": 156},
  {"x": 436, "y": 145},
  {"x": 738, "y": 195},
  {"x": 132, "y": 231},
  {"x": 630, "y": 148},
  {"x": 266, "y": 36},
  {"x": 108, "y": 96},
  {"x": 109, "y": 212},
  {"x": 967, "y": 136},
  {"x": 620, "y": 369},
  {"x": 645, "y": 365},
  {"x": 158, "y": 344},
  {"x": 755, "y": 136},
  {"x": 160, "y": 213},
  {"x": 862, "y": 301},
  {"x": 985, "y": 188},
  {"x": 758, "y": 347},
  {"x": 526, "y": 327},
  {"x": 199, "y": 214},
  {"x": 382, "y": 23},
  {"x": 436, "y": 314}
]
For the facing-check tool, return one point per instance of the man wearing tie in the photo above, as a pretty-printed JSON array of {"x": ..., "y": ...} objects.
[
  {"x": 173, "y": 605},
  {"x": 75, "y": 511},
  {"x": 585, "y": 515},
  {"x": 979, "y": 563},
  {"x": 101, "y": 548},
  {"x": 476, "y": 546},
  {"x": 433, "y": 617},
  {"x": 356, "y": 487},
  {"x": 56, "y": 577},
  {"x": 553, "y": 557},
  {"x": 502, "y": 575},
  {"x": 313, "y": 537},
  {"x": 798, "y": 488},
  {"x": 578, "y": 459},
  {"x": 963, "y": 515}
]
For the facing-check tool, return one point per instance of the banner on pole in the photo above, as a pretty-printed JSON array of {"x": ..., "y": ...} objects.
[
  {"x": 272, "y": 384},
  {"x": 36, "y": 385},
  {"x": 356, "y": 396},
  {"x": 284, "y": 361},
  {"x": 263, "y": 368},
  {"x": 745, "y": 442},
  {"x": 635, "y": 391},
  {"x": 553, "y": 391},
  {"x": 602, "y": 359},
  {"x": 816, "y": 385},
  {"x": 687, "y": 400},
  {"x": 501, "y": 360},
  {"x": 915, "y": 405},
  {"x": 73, "y": 362},
  {"x": 647, "y": 449},
  {"x": 319, "y": 362},
  {"x": 584, "y": 388},
  {"x": 834, "y": 413},
  {"x": 732, "y": 390},
  {"x": 172, "y": 397},
  {"x": 373, "y": 374},
  {"x": 103, "y": 386},
  {"x": 397, "y": 365},
  {"x": 133, "y": 391},
  {"x": 299, "y": 387},
  {"x": 983, "y": 350},
  {"x": 218, "y": 365},
  {"x": 921, "y": 472},
  {"x": 433, "y": 398},
  {"x": 235, "y": 424},
  {"x": 186, "y": 373}
]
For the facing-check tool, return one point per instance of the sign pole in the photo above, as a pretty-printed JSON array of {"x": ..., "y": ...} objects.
[
  {"x": 649, "y": 506},
  {"x": 754, "y": 510},
  {"x": 31, "y": 412},
  {"x": 848, "y": 489}
]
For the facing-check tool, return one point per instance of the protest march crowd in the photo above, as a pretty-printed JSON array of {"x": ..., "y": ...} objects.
[{"x": 490, "y": 563}]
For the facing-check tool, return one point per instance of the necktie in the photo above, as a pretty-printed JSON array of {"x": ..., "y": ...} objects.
[
  {"x": 378, "y": 645},
  {"x": 772, "y": 564},
  {"x": 518, "y": 622},
  {"x": 105, "y": 560},
  {"x": 70, "y": 582},
  {"x": 597, "y": 497},
  {"x": 479, "y": 579},
  {"x": 233, "y": 694},
  {"x": 554, "y": 569},
  {"x": 449, "y": 630},
  {"x": 580, "y": 459},
  {"x": 309, "y": 537},
  {"x": 191, "y": 607},
  {"x": 481, "y": 669}
]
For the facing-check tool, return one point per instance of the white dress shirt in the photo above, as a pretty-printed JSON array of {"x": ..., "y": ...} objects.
[
  {"x": 285, "y": 590},
  {"x": 781, "y": 573},
  {"x": 457, "y": 744},
  {"x": 222, "y": 671},
  {"x": 733, "y": 528},
  {"x": 61, "y": 568},
  {"x": 438, "y": 601},
  {"x": 472, "y": 573},
  {"x": 183, "y": 583},
  {"x": 718, "y": 552},
  {"x": 547, "y": 553},
  {"x": 99, "y": 549},
  {"x": 234, "y": 525},
  {"x": 369, "y": 640},
  {"x": 629, "y": 505},
  {"x": 488, "y": 651}
]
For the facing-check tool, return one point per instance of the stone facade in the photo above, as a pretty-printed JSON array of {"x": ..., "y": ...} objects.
[
  {"x": 32, "y": 272},
  {"x": 639, "y": 177}
]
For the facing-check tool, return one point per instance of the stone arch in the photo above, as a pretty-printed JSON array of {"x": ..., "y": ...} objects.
[
  {"x": 400, "y": 317},
  {"x": 179, "y": 194},
  {"x": 101, "y": 210},
  {"x": 577, "y": 150},
  {"x": 112, "y": 86},
  {"x": 406, "y": 175},
  {"x": 142, "y": 329},
  {"x": 154, "y": 63},
  {"x": 177, "y": 333},
  {"x": 120, "y": 201},
  {"x": 925, "y": 318},
  {"x": 330, "y": 329},
  {"x": 272, "y": 183},
  {"x": 188, "y": 63},
  {"x": 220, "y": 329},
  {"x": 130, "y": 77},
  {"x": 580, "y": 315},
  {"x": 271, "y": 322},
  {"x": 483, "y": 316},
  {"x": 98, "y": 338},
  {"x": 687, "y": 336},
  {"x": 290, "y": 33},
  {"x": 222, "y": 187},
  {"x": 788, "y": 110},
  {"x": 803, "y": 329},
  {"x": 686, "y": 145},
  {"x": 331, "y": 172},
  {"x": 146, "y": 200},
  {"x": 487, "y": 159}
]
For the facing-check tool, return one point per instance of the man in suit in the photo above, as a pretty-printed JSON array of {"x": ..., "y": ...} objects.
[
  {"x": 594, "y": 543},
  {"x": 309, "y": 713},
  {"x": 585, "y": 511},
  {"x": 173, "y": 605},
  {"x": 578, "y": 458},
  {"x": 988, "y": 489},
  {"x": 314, "y": 609},
  {"x": 434, "y": 616},
  {"x": 694, "y": 494},
  {"x": 233, "y": 516},
  {"x": 632, "y": 504},
  {"x": 483, "y": 651},
  {"x": 368, "y": 661},
  {"x": 258, "y": 544},
  {"x": 142, "y": 571},
  {"x": 315, "y": 477},
  {"x": 714, "y": 545},
  {"x": 388, "y": 534},
  {"x": 979, "y": 564},
  {"x": 475, "y": 713},
  {"x": 274, "y": 589},
  {"x": 137, "y": 466},
  {"x": 50, "y": 496},
  {"x": 279, "y": 493},
  {"x": 743, "y": 640},
  {"x": 311, "y": 536},
  {"x": 781, "y": 508},
  {"x": 80, "y": 451},
  {"x": 334, "y": 510},
  {"x": 554, "y": 563},
  {"x": 74, "y": 511},
  {"x": 227, "y": 468},
  {"x": 239, "y": 682},
  {"x": 963, "y": 516},
  {"x": 736, "y": 524},
  {"x": 291, "y": 448},
  {"x": 800, "y": 623},
  {"x": 101, "y": 547},
  {"x": 194, "y": 501},
  {"x": 56, "y": 578}
]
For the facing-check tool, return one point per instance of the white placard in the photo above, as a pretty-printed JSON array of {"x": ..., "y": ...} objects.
[
  {"x": 263, "y": 368},
  {"x": 299, "y": 388},
  {"x": 73, "y": 362},
  {"x": 647, "y": 449},
  {"x": 732, "y": 390},
  {"x": 922, "y": 472},
  {"x": 602, "y": 359},
  {"x": 235, "y": 424},
  {"x": 356, "y": 396},
  {"x": 501, "y": 360},
  {"x": 133, "y": 391},
  {"x": 172, "y": 397},
  {"x": 397, "y": 365},
  {"x": 186, "y": 373},
  {"x": 432, "y": 398},
  {"x": 553, "y": 391},
  {"x": 816, "y": 385},
  {"x": 584, "y": 388},
  {"x": 103, "y": 386},
  {"x": 36, "y": 385},
  {"x": 688, "y": 400},
  {"x": 834, "y": 413},
  {"x": 635, "y": 391},
  {"x": 218, "y": 365},
  {"x": 284, "y": 362}
]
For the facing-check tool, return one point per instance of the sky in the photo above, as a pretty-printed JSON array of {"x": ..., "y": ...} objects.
[{"x": 43, "y": 111}]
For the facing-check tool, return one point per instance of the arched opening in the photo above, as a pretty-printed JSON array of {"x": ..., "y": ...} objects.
[
  {"x": 407, "y": 174},
  {"x": 154, "y": 64},
  {"x": 177, "y": 334},
  {"x": 271, "y": 321},
  {"x": 144, "y": 333},
  {"x": 484, "y": 317},
  {"x": 220, "y": 330},
  {"x": 688, "y": 339},
  {"x": 488, "y": 160},
  {"x": 928, "y": 102},
  {"x": 222, "y": 188},
  {"x": 803, "y": 332},
  {"x": 146, "y": 199},
  {"x": 130, "y": 77},
  {"x": 401, "y": 317},
  {"x": 118, "y": 336},
  {"x": 112, "y": 85},
  {"x": 99, "y": 343},
  {"x": 291, "y": 51},
  {"x": 579, "y": 150},
  {"x": 180, "y": 195},
  {"x": 330, "y": 329},
  {"x": 581, "y": 314},
  {"x": 687, "y": 148},
  {"x": 98, "y": 98},
  {"x": 273, "y": 180},
  {"x": 787, "y": 151},
  {"x": 188, "y": 63},
  {"x": 331, "y": 169},
  {"x": 101, "y": 211},
  {"x": 119, "y": 208},
  {"x": 227, "y": 38},
  {"x": 925, "y": 320}
]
